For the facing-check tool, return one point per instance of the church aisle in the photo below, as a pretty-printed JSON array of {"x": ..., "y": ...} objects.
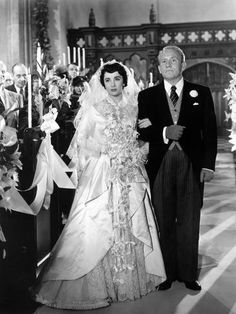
[{"x": 217, "y": 258}]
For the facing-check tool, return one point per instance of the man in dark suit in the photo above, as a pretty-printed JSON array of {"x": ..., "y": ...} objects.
[
  {"x": 19, "y": 86},
  {"x": 177, "y": 118},
  {"x": 10, "y": 102},
  {"x": 19, "y": 72}
]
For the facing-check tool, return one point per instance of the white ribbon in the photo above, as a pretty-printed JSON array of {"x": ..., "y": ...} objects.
[
  {"x": 16, "y": 202},
  {"x": 50, "y": 168},
  {"x": 49, "y": 124},
  {"x": 2, "y": 237}
]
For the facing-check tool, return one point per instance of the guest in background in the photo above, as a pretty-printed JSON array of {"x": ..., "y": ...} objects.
[
  {"x": 77, "y": 87},
  {"x": 177, "y": 118},
  {"x": 8, "y": 79},
  {"x": 73, "y": 71},
  {"x": 10, "y": 102},
  {"x": 19, "y": 86},
  {"x": 61, "y": 71},
  {"x": 19, "y": 72}
]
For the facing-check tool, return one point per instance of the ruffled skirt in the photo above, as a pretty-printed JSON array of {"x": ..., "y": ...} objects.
[{"x": 99, "y": 288}]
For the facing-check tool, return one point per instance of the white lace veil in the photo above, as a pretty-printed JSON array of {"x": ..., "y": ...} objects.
[{"x": 94, "y": 91}]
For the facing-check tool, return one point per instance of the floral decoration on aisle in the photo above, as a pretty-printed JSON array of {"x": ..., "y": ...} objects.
[
  {"x": 40, "y": 20},
  {"x": 56, "y": 88},
  {"x": 230, "y": 95},
  {"x": 9, "y": 163}
]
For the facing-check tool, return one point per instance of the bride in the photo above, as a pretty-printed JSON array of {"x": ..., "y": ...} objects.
[{"x": 109, "y": 249}]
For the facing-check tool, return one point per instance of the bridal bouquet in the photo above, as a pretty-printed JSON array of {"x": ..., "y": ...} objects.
[
  {"x": 230, "y": 95},
  {"x": 9, "y": 161},
  {"x": 122, "y": 145}
]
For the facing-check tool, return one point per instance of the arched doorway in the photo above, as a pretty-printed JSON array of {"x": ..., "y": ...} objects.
[{"x": 217, "y": 77}]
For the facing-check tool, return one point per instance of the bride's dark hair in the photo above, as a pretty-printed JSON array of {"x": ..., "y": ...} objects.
[{"x": 111, "y": 68}]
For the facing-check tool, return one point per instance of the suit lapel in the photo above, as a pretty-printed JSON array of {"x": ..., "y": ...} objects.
[
  {"x": 186, "y": 100},
  {"x": 12, "y": 88},
  {"x": 163, "y": 103}
]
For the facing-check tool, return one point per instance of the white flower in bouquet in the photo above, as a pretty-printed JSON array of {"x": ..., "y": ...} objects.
[
  {"x": 9, "y": 137},
  {"x": 53, "y": 90}
]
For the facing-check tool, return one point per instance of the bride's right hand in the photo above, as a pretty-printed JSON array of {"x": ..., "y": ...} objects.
[{"x": 144, "y": 123}]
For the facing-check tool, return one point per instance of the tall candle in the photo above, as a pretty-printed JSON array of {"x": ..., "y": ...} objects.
[
  {"x": 140, "y": 84},
  {"x": 79, "y": 59},
  {"x": 151, "y": 80},
  {"x": 83, "y": 58},
  {"x": 132, "y": 71},
  {"x": 64, "y": 58},
  {"x": 151, "y": 77},
  {"x": 68, "y": 54},
  {"x": 41, "y": 108},
  {"x": 29, "y": 100},
  {"x": 101, "y": 62},
  {"x": 39, "y": 59},
  {"x": 74, "y": 54}
]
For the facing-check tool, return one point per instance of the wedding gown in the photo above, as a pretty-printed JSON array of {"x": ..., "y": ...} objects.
[{"x": 109, "y": 249}]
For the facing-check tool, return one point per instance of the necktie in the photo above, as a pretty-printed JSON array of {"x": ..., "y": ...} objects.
[
  {"x": 22, "y": 92},
  {"x": 173, "y": 95}
]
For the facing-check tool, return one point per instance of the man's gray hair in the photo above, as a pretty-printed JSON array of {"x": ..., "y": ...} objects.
[
  {"x": 18, "y": 64},
  {"x": 176, "y": 48}
]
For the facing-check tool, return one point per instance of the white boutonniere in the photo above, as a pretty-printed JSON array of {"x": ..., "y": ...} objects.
[{"x": 193, "y": 93}]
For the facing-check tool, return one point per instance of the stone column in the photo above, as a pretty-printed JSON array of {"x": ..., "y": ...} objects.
[{"x": 18, "y": 29}]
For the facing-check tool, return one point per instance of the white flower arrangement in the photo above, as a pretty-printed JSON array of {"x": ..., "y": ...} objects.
[
  {"x": 9, "y": 161},
  {"x": 230, "y": 95}
]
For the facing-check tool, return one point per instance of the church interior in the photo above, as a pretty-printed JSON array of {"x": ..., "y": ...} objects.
[{"x": 42, "y": 34}]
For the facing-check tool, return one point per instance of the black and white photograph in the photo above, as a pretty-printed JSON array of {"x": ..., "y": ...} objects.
[{"x": 117, "y": 157}]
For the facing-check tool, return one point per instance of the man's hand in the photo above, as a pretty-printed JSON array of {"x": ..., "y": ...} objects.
[
  {"x": 206, "y": 175},
  {"x": 144, "y": 123},
  {"x": 174, "y": 132}
]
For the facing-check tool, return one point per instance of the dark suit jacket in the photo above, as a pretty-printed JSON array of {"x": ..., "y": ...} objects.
[
  {"x": 9, "y": 101},
  {"x": 11, "y": 88},
  {"x": 23, "y": 113},
  {"x": 199, "y": 140}
]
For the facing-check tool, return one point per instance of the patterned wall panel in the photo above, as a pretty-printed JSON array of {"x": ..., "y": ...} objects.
[
  {"x": 199, "y": 40},
  {"x": 210, "y": 50}
]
